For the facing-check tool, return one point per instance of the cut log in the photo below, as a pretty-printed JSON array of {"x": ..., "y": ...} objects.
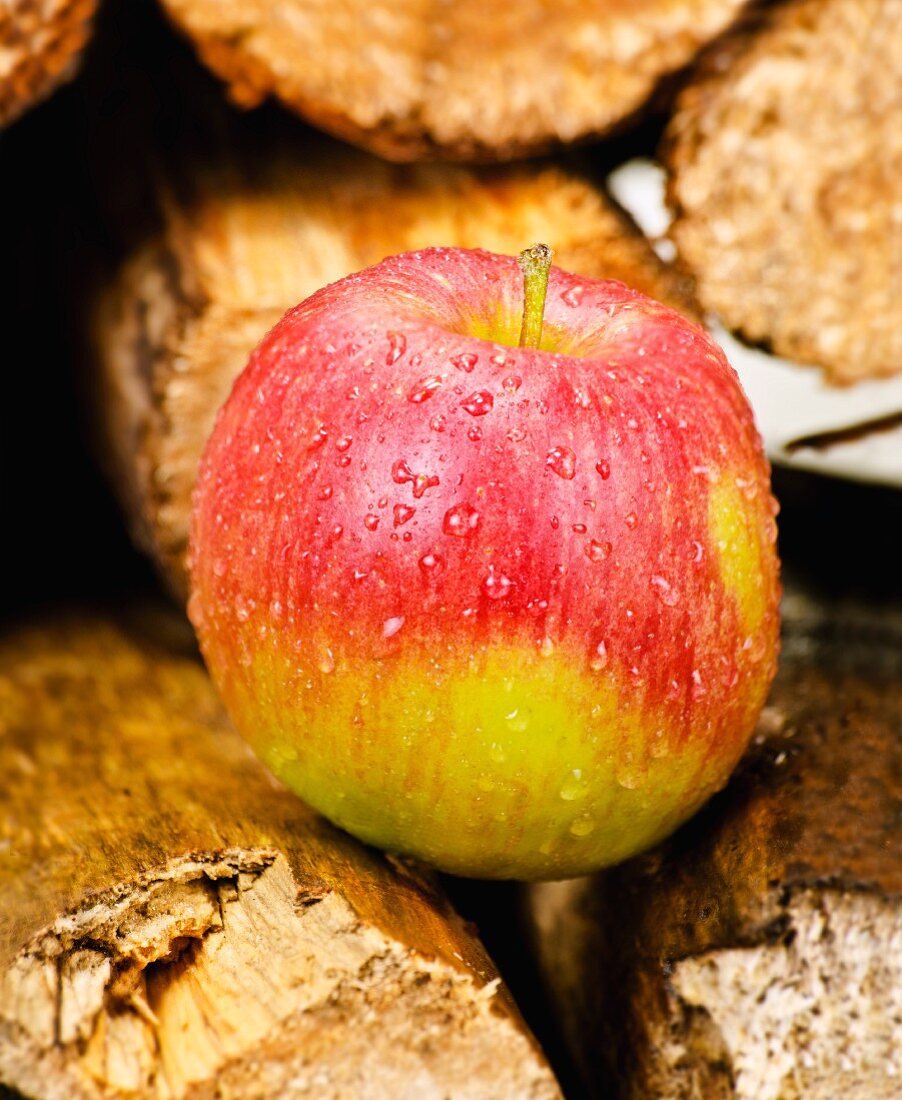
[
  {"x": 758, "y": 954},
  {"x": 245, "y": 235},
  {"x": 785, "y": 158},
  {"x": 40, "y": 44},
  {"x": 467, "y": 79},
  {"x": 174, "y": 924}
]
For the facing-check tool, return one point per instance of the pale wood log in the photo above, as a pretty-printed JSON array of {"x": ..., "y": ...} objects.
[
  {"x": 40, "y": 44},
  {"x": 758, "y": 954},
  {"x": 175, "y": 925},
  {"x": 468, "y": 79},
  {"x": 793, "y": 237},
  {"x": 252, "y": 228}
]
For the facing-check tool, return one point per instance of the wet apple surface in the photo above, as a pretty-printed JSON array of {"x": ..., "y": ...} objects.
[{"x": 511, "y": 610}]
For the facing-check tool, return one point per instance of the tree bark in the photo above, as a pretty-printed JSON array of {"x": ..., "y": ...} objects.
[
  {"x": 176, "y": 925},
  {"x": 40, "y": 44},
  {"x": 757, "y": 954},
  {"x": 468, "y": 80},
  {"x": 258, "y": 222}
]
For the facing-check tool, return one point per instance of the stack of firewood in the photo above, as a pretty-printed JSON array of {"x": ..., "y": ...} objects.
[{"x": 173, "y": 923}]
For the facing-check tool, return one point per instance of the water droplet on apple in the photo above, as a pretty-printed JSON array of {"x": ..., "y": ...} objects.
[
  {"x": 243, "y": 608},
  {"x": 474, "y": 433},
  {"x": 325, "y": 493},
  {"x": 220, "y": 567},
  {"x": 555, "y": 523},
  {"x": 326, "y": 662},
  {"x": 422, "y": 482},
  {"x": 466, "y": 361},
  {"x": 579, "y": 528},
  {"x": 562, "y": 461},
  {"x": 517, "y": 721},
  {"x": 664, "y": 590},
  {"x": 597, "y": 551},
  {"x": 343, "y": 443},
  {"x": 496, "y": 585},
  {"x": 756, "y": 647},
  {"x": 196, "y": 610},
  {"x": 401, "y": 472},
  {"x": 631, "y": 520},
  {"x": 574, "y": 786},
  {"x": 343, "y": 460},
  {"x": 599, "y": 660},
  {"x": 276, "y": 609},
  {"x": 659, "y": 745},
  {"x": 391, "y": 626},
  {"x": 461, "y": 520},
  {"x": 573, "y": 295},
  {"x": 478, "y": 403},
  {"x": 437, "y": 423},
  {"x": 319, "y": 438},
  {"x": 604, "y": 469},
  {"x": 497, "y": 753},
  {"x": 424, "y": 389},
  {"x": 402, "y": 513},
  {"x": 512, "y": 383},
  {"x": 431, "y": 565},
  {"x": 397, "y": 345},
  {"x": 360, "y": 574},
  {"x": 370, "y": 522},
  {"x": 629, "y": 774},
  {"x": 582, "y": 825}
]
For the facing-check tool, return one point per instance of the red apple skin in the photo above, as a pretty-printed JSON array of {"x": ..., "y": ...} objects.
[{"x": 511, "y": 611}]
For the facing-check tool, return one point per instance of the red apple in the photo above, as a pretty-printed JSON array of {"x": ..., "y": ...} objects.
[{"x": 511, "y": 610}]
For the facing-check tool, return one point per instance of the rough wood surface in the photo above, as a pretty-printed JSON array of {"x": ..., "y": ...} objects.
[
  {"x": 468, "y": 79},
  {"x": 758, "y": 954},
  {"x": 785, "y": 156},
  {"x": 40, "y": 42},
  {"x": 248, "y": 232},
  {"x": 174, "y": 924}
]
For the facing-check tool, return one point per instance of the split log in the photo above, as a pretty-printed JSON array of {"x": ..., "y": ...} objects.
[
  {"x": 792, "y": 235},
  {"x": 758, "y": 954},
  {"x": 248, "y": 232},
  {"x": 40, "y": 45},
  {"x": 176, "y": 925},
  {"x": 468, "y": 79}
]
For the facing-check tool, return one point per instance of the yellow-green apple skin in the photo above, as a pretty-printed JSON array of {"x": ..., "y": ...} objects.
[{"x": 513, "y": 611}]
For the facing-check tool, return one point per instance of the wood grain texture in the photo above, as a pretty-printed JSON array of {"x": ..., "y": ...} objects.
[
  {"x": 793, "y": 233},
  {"x": 253, "y": 227},
  {"x": 757, "y": 953},
  {"x": 468, "y": 80},
  {"x": 174, "y": 924},
  {"x": 40, "y": 44}
]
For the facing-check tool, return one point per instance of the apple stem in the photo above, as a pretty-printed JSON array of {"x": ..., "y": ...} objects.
[{"x": 534, "y": 263}]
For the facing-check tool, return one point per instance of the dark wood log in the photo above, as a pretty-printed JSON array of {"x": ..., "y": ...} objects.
[
  {"x": 176, "y": 925},
  {"x": 759, "y": 952}
]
